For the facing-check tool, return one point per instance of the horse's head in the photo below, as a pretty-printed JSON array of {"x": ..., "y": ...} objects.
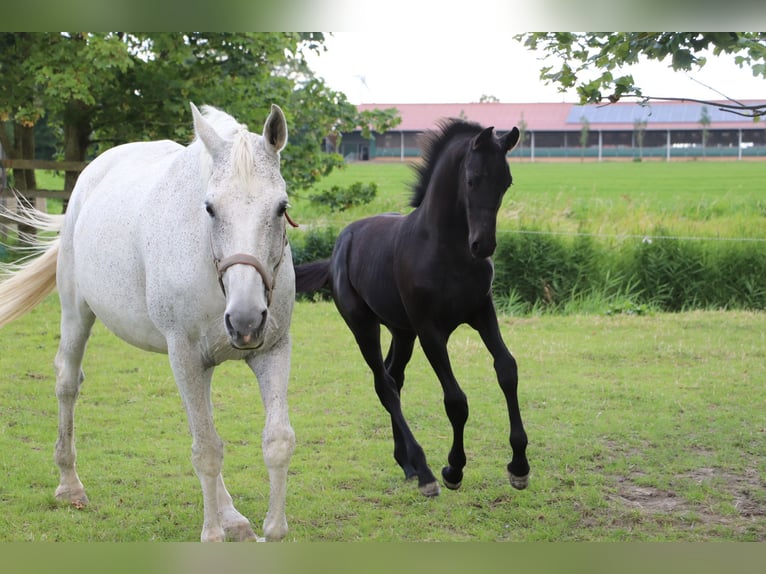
[
  {"x": 244, "y": 211},
  {"x": 486, "y": 177}
]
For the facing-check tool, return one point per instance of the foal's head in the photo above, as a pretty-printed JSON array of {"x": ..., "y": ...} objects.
[{"x": 484, "y": 178}]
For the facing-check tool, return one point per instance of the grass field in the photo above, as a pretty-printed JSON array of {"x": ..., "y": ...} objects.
[
  {"x": 641, "y": 428},
  {"x": 697, "y": 198},
  {"x": 689, "y": 198}
]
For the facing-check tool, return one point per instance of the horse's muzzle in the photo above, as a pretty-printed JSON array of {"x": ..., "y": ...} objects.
[
  {"x": 246, "y": 331},
  {"x": 481, "y": 249}
]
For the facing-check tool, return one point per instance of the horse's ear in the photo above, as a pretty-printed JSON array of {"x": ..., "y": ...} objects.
[
  {"x": 484, "y": 138},
  {"x": 205, "y": 132},
  {"x": 509, "y": 140},
  {"x": 275, "y": 129}
]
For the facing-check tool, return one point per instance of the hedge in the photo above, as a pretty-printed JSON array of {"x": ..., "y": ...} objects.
[{"x": 538, "y": 270}]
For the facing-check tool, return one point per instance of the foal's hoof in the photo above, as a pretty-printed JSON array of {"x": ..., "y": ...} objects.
[
  {"x": 451, "y": 484},
  {"x": 430, "y": 489},
  {"x": 518, "y": 482}
]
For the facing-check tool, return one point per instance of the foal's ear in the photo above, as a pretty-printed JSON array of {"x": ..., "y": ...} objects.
[
  {"x": 205, "y": 132},
  {"x": 275, "y": 129},
  {"x": 484, "y": 138},
  {"x": 509, "y": 140}
]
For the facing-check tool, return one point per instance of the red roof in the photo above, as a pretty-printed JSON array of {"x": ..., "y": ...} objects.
[{"x": 552, "y": 116}]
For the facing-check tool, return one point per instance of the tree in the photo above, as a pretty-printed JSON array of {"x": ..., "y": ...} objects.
[
  {"x": 61, "y": 76},
  {"x": 584, "y": 135},
  {"x": 109, "y": 88},
  {"x": 523, "y": 126},
  {"x": 639, "y": 131},
  {"x": 705, "y": 123},
  {"x": 582, "y": 53}
]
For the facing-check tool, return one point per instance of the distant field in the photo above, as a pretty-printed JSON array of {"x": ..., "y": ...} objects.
[
  {"x": 699, "y": 198},
  {"x": 692, "y": 198}
]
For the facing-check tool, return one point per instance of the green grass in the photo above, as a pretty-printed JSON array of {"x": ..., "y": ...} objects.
[
  {"x": 641, "y": 428},
  {"x": 690, "y": 198},
  {"x": 701, "y": 198}
]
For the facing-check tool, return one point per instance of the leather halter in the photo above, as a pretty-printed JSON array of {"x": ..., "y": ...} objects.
[{"x": 221, "y": 265}]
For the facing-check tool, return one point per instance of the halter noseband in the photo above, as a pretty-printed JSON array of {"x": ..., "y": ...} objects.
[{"x": 221, "y": 265}]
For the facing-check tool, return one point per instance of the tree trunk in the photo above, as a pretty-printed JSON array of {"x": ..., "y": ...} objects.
[
  {"x": 24, "y": 179},
  {"x": 77, "y": 127}
]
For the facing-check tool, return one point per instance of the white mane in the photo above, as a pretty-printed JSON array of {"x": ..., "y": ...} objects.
[{"x": 242, "y": 153}]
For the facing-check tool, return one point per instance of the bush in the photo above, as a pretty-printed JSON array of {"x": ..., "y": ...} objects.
[
  {"x": 312, "y": 245},
  {"x": 342, "y": 198},
  {"x": 544, "y": 269},
  {"x": 678, "y": 274}
]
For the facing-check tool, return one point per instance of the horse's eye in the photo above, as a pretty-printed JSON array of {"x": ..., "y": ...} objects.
[
  {"x": 209, "y": 209},
  {"x": 282, "y": 209}
]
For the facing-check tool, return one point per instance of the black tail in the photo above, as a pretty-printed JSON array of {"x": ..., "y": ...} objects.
[{"x": 311, "y": 277}]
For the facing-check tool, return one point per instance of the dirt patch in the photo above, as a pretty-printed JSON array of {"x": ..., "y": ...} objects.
[
  {"x": 648, "y": 499},
  {"x": 747, "y": 491},
  {"x": 744, "y": 493}
]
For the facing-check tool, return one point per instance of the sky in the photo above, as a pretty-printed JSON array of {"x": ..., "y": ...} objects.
[{"x": 373, "y": 67}]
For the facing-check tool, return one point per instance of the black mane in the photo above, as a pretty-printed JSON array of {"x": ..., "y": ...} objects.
[{"x": 434, "y": 145}]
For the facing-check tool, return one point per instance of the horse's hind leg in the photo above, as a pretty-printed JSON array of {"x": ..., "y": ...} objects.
[
  {"x": 399, "y": 354},
  {"x": 76, "y": 322},
  {"x": 366, "y": 331}
]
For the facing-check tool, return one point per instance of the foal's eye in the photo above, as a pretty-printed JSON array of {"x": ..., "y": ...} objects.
[{"x": 209, "y": 209}]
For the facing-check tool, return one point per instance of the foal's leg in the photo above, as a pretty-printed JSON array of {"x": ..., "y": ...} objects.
[
  {"x": 399, "y": 354},
  {"x": 194, "y": 380},
  {"x": 434, "y": 345},
  {"x": 366, "y": 330},
  {"x": 507, "y": 376},
  {"x": 273, "y": 370},
  {"x": 76, "y": 322}
]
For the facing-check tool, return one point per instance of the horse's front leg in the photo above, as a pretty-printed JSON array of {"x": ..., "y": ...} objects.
[
  {"x": 507, "y": 376},
  {"x": 272, "y": 369},
  {"x": 194, "y": 380},
  {"x": 434, "y": 345}
]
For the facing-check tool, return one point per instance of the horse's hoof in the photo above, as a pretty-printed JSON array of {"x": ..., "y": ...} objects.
[
  {"x": 76, "y": 498},
  {"x": 448, "y": 483},
  {"x": 519, "y": 482},
  {"x": 240, "y": 533},
  {"x": 430, "y": 489}
]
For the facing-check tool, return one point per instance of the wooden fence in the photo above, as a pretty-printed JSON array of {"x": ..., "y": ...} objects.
[{"x": 38, "y": 196}]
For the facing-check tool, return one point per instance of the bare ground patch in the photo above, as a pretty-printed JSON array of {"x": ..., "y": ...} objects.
[{"x": 723, "y": 502}]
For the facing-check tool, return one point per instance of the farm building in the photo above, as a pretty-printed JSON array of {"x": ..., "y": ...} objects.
[{"x": 658, "y": 129}]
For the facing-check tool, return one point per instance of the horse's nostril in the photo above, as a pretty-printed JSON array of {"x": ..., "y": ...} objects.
[
  {"x": 227, "y": 321},
  {"x": 474, "y": 247}
]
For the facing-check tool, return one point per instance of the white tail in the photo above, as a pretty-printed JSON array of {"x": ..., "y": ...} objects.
[{"x": 24, "y": 285}]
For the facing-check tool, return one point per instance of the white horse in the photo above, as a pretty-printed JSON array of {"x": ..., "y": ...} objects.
[{"x": 178, "y": 250}]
